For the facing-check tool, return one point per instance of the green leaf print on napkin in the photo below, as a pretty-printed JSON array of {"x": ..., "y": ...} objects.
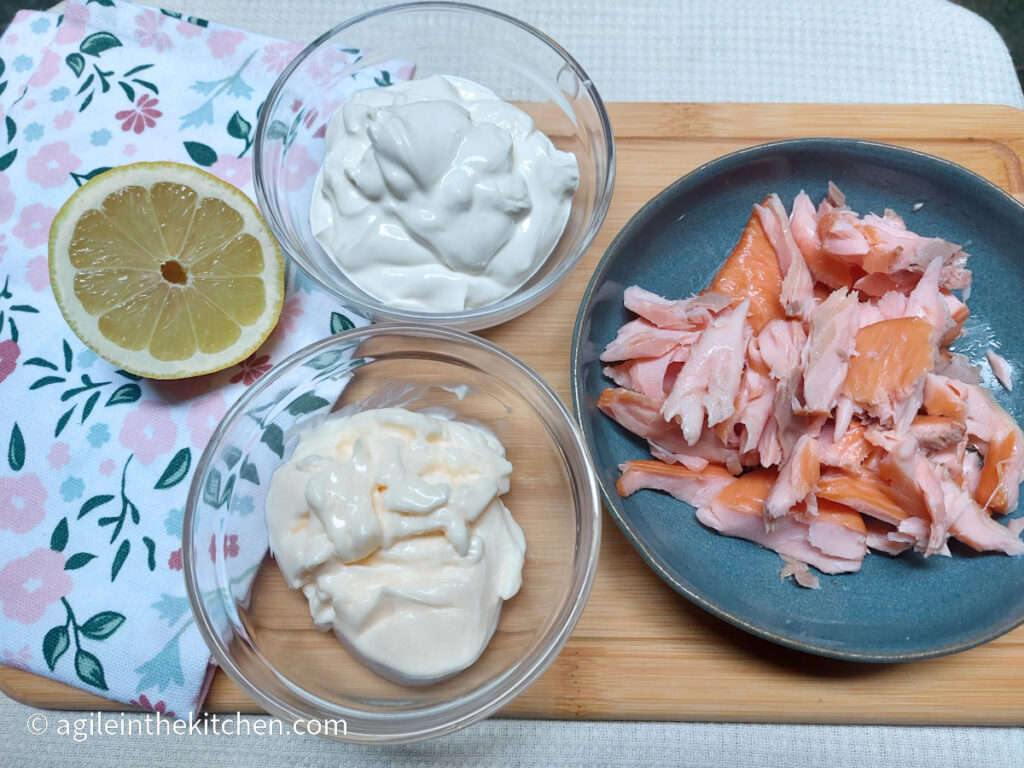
[
  {"x": 89, "y": 669},
  {"x": 240, "y": 128},
  {"x": 119, "y": 558},
  {"x": 129, "y": 512},
  {"x": 16, "y": 449},
  {"x": 122, "y": 395},
  {"x": 176, "y": 470},
  {"x": 59, "y": 537},
  {"x": 340, "y": 323},
  {"x": 8, "y": 311},
  {"x": 102, "y": 625},
  {"x": 100, "y": 80},
  {"x": 57, "y": 641},
  {"x": 273, "y": 436},
  {"x": 81, "y": 178},
  {"x": 93, "y": 503},
  {"x": 200, "y": 153},
  {"x": 306, "y": 403},
  {"x": 77, "y": 561},
  {"x": 98, "y": 42}
]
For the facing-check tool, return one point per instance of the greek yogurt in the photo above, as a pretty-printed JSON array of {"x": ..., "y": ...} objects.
[{"x": 437, "y": 196}]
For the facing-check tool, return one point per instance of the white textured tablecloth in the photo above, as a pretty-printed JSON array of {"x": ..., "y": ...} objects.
[
  {"x": 727, "y": 50},
  {"x": 677, "y": 50}
]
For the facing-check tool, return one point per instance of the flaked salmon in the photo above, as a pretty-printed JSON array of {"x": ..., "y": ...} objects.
[
  {"x": 796, "y": 480},
  {"x": 808, "y": 400},
  {"x": 832, "y": 342},
  {"x": 797, "y": 292},
  {"x": 696, "y": 488},
  {"x": 1000, "y": 369},
  {"x": 707, "y": 386},
  {"x": 737, "y": 511},
  {"x": 752, "y": 272}
]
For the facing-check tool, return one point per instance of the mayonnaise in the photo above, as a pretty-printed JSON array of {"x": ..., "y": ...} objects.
[
  {"x": 390, "y": 523},
  {"x": 437, "y": 196}
]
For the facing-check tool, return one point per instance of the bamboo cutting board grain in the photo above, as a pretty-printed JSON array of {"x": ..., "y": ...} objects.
[{"x": 640, "y": 650}]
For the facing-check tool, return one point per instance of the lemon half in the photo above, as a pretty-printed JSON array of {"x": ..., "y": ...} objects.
[{"x": 165, "y": 270}]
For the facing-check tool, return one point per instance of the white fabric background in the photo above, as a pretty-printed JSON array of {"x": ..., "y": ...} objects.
[
  {"x": 677, "y": 50},
  {"x": 726, "y": 50}
]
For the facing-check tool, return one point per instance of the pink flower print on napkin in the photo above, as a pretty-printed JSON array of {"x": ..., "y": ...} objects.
[
  {"x": 51, "y": 165},
  {"x": 37, "y": 273},
  {"x": 203, "y": 417},
  {"x": 251, "y": 369},
  {"x": 188, "y": 30},
  {"x": 174, "y": 561},
  {"x": 290, "y": 312},
  {"x": 30, "y": 584},
  {"x": 277, "y": 56},
  {"x": 143, "y": 116},
  {"x": 33, "y": 227},
  {"x": 328, "y": 65},
  {"x": 20, "y": 659},
  {"x": 22, "y": 502},
  {"x": 299, "y": 167},
  {"x": 149, "y": 33},
  {"x": 230, "y": 547},
  {"x": 7, "y": 198},
  {"x": 64, "y": 120},
  {"x": 149, "y": 431},
  {"x": 223, "y": 42},
  {"x": 48, "y": 69},
  {"x": 9, "y": 351},
  {"x": 59, "y": 455},
  {"x": 72, "y": 28},
  {"x": 159, "y": 708},
  {"x": 233, "y": 170},
  {"x": 107, "y": 467}
]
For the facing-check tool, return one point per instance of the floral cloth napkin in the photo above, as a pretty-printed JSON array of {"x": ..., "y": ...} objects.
[{"x": 95, "y": 463}]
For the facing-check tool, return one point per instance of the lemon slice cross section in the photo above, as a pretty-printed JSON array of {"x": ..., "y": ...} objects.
[{"x": 165, "y": 270}]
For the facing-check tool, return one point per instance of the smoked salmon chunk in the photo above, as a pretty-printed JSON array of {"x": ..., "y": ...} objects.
[
  {"x": 889, "y": 359},
  {"x": 752, "y": 272},
  {"x": 736, "y": 511},
  {"x": 693, "y": 488}
]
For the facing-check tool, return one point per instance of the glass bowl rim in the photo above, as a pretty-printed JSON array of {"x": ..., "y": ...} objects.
[
  {"x": 478, "y": 317},
  {"x": 451, "y": 715}
]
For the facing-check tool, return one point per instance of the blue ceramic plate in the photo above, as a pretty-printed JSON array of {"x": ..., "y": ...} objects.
[{"x": 894, "y": 609}]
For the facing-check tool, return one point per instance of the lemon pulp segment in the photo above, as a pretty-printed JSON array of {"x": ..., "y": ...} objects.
[{"x": 167, "y": 272}]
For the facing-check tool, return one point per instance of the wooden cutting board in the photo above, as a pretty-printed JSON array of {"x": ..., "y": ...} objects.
[{"x": 640, "y": 650}]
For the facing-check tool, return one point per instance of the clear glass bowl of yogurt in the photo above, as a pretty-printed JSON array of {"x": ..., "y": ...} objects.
[
  {"x": 525, "y": 69},
  {"x": 260, "y": 630}
]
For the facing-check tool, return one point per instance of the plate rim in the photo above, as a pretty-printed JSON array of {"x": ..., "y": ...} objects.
[{"x": 656, "y": 563}]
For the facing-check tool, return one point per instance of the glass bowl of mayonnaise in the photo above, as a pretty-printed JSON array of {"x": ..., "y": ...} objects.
[
  {"x": 435, "y": 162},
  {"x": 391, "y": 534}
]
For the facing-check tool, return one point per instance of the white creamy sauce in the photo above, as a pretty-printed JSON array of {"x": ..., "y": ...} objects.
[
  {"x": 437, "y": 196},
  {"x": 390, "y": 523}
]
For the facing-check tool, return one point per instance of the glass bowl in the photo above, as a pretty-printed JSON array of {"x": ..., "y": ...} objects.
[
  {"x": 260, "y": 631},
  {"x": 518, "y": 62}
]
